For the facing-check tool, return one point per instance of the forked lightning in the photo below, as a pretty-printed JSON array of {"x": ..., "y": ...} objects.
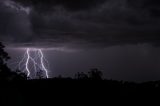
[{"x": 34, "y": 61}]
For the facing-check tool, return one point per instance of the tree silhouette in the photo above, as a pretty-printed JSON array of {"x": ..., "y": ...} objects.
[
  {"x": 19, "y": 75},
  {"x": 95, "y": 74},
  {"x": 81, "y": 75},
  {"x": 5, "y": 72},
  {"x": 39, "y": 74},
  {"x": 3, "y": 55}
]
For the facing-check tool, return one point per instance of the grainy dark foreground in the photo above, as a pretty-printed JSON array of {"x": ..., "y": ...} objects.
[{"x": 78, "y": 93}]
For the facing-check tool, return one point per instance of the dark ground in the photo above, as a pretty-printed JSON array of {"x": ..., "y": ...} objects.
[{"x": 68, "y": 92}]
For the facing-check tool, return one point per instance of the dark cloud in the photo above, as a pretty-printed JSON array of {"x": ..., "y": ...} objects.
[
  {"x": 153, "y": 6},
  {"x": 73, "y": 5},
  {"x": 82, "y": 23},
  {"x": 14, "y": 25}
]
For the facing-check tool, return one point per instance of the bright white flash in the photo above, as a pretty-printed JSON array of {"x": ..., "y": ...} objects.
[{"x": 33, "y": 62}]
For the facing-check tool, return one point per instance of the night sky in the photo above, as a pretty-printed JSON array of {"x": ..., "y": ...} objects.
[{"x": 120, "y": 37}]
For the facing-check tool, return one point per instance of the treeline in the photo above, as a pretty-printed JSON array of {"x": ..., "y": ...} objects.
[{"x": 6, "y": 74}]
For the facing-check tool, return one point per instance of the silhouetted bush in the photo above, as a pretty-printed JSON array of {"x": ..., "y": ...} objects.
[
  {"x": 95, "y": 74},
  {"x": 81, "y": 75},
  {"x": 39, "y": 75}
]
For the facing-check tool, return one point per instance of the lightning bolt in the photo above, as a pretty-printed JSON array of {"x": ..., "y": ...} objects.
[
  {"x": 33, "y": 63},
  {"x": 27, "y": 62},
  {"x": 42, "y": 62}
]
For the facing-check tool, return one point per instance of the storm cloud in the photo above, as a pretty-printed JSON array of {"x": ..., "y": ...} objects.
[{"x": 79, "y": 23}]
